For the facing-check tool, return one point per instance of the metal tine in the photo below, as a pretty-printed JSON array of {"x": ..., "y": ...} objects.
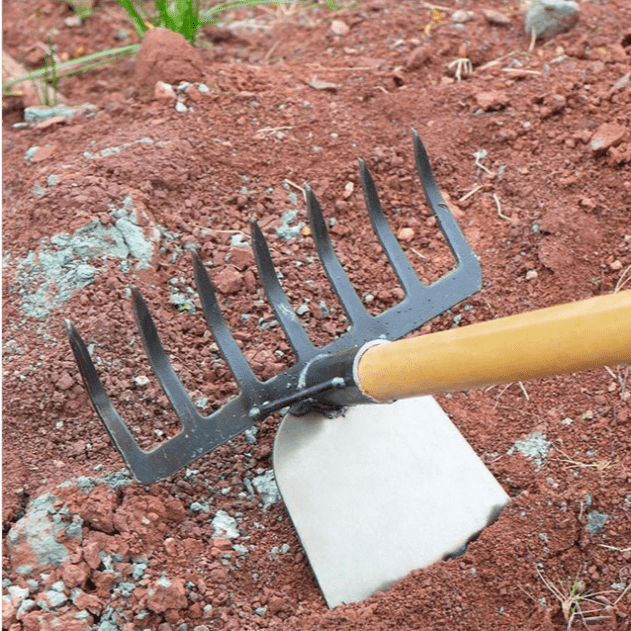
[
  {"x": 172, "y": 386},
  {"x": 343, "y": 287},
  {"x": 297, "y": 336},
  {"x": 399, "y": 261},
  {"x": 116, "y": 428},
  {"x": 456, "y": 240},
  {"x": 228, "y": 346}
]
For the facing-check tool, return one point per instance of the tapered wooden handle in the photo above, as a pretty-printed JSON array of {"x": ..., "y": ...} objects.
[{"x": 566, "y": 338}]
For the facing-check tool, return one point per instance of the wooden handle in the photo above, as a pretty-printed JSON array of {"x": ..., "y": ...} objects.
[{"x": 566, "y": 338}]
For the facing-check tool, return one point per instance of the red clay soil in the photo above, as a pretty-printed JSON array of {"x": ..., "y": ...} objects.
[{"x": 532, "y": 148}]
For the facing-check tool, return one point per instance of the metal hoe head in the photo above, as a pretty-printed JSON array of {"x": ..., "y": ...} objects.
[{"x": 257, "y": 399}]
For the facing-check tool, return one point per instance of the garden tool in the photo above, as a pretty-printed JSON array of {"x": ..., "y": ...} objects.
[{"x": 374, "y": 491}]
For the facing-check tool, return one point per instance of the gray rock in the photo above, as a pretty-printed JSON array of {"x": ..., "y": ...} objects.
[
  {"x": 534, "y": 447},
  {"x": 48, "y": 274},
  {"x": 267, "y": 488},
  {"x": 55, "y": 599},
  {"x": 38, "y": 113},
  {"x": 596, "y": 521},
  {"x": 37, "y": 536},
  {"x": 550, "y": 17},
  {"x": 224, "y": 525}
]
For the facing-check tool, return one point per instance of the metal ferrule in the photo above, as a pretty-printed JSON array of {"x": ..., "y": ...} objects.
[{"x": 337, "y": 366}]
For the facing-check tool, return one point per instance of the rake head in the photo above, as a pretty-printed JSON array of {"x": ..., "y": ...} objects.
[{"x": 318, "y": 379}]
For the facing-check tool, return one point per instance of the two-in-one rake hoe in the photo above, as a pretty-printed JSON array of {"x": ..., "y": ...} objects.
[{"x": 374, "y": 491}]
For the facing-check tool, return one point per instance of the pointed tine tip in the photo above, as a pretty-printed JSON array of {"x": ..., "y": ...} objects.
[
  {"x": 195, "y": 258},
  {"x": 255, "y": 230},
  {"x": 420, "y": 153},
  {"x": 311, "y": 199},
  {"x": 198, "y": 267},
  {"x": 70, "y": 328}
]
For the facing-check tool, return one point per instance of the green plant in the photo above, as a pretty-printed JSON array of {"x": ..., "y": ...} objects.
[
  {"x": 186, "y": 17},
  {"x": 72, "y": 67},
  {"x": 577, "y": 602},
  {"x": 81, "y": 8},
  {"x": 50, "y": 78}
]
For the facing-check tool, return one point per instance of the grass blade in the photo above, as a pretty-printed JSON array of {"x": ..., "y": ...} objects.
[{"x": 134, "y": 17}]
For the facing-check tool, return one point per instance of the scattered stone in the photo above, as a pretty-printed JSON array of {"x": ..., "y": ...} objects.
[
  {"x": 534, "y": 447},
  {"x": 287, "y": 232},
  {"x": 55, "y": 599},
  {"x": 165, "y": 593},
  {"x": 50, "y": 122},
  {"x": 166, "y": 56},
  {"x": 73, "y": 21},
  {"x": 606, "y": 136},
  {"x": 228, "y": 280},
  {"x": 49, "y": 274},
  {"x": 89, "y": 602},
  {"x": 37, "y": 113},
  {"x": 240, "y": 257},
  {"x": 267, "y": 488},
  {"x": 596, "y": 521},
  {"x": 16, "y": 595},
  {"x": 75, "y": 575},
  {"x": 553, "y": 104},
  {"x": 97, "y": 509},
  {"x": 200, "y": 507},
  {"x": 39, "y": 154},
  {"x": 327, "y": 86},
  {"x": 550, "y": 17},
  {"x": 623, "y": 83},
  {"x": 492, "y": 100},
  {"x": 44, "y": 538},
  {"x": 531, "y": 274},
  {"x": 65, "y": 382},
  {"x": 339, "y": 27},
  {"x": 462, "y": 17},
  {"x": 84, "y": 275},
  {"x": 140, "y": 381},
  {"x": 406, "y": 234},
  {"x": 164, "y": 93},
  {"x": 250, "y": 435},
  {"x": 496, "y": 17},
  {"x": 180, "y": 107},
  {"x": 224, "y": 526},
  {"x": 183, "y": 303}
]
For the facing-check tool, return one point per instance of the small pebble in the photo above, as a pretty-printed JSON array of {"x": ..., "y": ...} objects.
[
  {"x": 406, "y": 234},
  {"x": 340, "y": 27},
  {"x": 550, "y": 17}
]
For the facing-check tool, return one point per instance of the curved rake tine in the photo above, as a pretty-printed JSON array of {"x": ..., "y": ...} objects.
[
  {"x": 228, "y": 346},
  {"x": 399, "y": 261},
  {"x": 172, "y": 386},
  {"x": 455, "y": 239},
  {"x": 343, "y": 287},
  {"x": 296, "y": 335},
  {"x": 116, "y": 428}
]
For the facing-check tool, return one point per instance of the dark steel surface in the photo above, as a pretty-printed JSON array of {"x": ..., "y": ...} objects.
[{"x": 200, "y": 434}]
